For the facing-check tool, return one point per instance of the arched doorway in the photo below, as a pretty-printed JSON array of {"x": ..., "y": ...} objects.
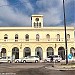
[
  {"x": 50, "y": 51},
  {"x": 39, "y": 52},
  {"x": 15, "y": 53},
  {"x": 72, "y": 51},
  {"x": 3, "y": 52},
  {"x": 27, "y": 52},
  {"x": 61, "y": 52}
]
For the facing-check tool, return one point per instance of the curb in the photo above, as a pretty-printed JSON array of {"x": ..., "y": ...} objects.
[{"x": 60, "y": 69}]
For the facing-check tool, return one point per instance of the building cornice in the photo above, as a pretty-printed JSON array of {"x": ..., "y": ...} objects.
[{"x": 32, "y": 28}]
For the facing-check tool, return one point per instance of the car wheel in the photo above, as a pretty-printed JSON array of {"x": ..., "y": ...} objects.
[
  {"x": 9, "y": 61},
  {"x": 17, "y": 61},
  {"x": 56, "y": 61},
  {"x": 36, "y": 61},
  {"x": 45, "y": 60},
  {"x": 24, "y": 61}
]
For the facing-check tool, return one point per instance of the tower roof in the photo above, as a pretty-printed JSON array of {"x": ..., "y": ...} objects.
[{"x": 37, "y": 15}]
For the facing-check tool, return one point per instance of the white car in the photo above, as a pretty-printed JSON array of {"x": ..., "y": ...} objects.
[
  {"x": 56, "y": 58},
  {"x": 18, "y": 60},
  {"x": 31, "y": 59},
  {"x": 6, "y": 59}
]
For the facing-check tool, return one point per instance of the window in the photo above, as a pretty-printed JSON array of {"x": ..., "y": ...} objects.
[
  {"x": 39, "y": 24},
  {"x": 37, "y": 37},
  {"x": 34, "y": 24},
  {"x": 16, "y": 37},
  {"x": 27, "y": 37},
  {"x": 37, "y": 19},
  {"x": 58, "y": 37},
  {"x": 5, "y": 37},
  {"x": 48, "y": 37},
  {"x": 68, "y": 37}
]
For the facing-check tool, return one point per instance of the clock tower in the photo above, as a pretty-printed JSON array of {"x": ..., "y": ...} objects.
[{"x": 37, "y": 21}]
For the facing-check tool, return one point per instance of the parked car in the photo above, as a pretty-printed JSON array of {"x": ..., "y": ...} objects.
[
  {"x": 31, "y": 59},
  {"x": 18, "y": 60},
  {"x": 56, "y": 58},
  {"x": 6, "y": 59},
  {"x": 48, "y": 59}
]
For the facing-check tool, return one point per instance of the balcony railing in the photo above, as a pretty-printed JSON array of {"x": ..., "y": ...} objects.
[{"x": 40, "y": 40}]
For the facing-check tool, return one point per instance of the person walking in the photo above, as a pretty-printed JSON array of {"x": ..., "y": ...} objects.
[{"x": 51, "y": 58}]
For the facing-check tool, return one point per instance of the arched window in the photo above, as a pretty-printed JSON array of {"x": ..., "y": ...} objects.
[
  {"x": 39, "y": 24},
  {"x": 34, "y": 25},
  {"x": 5, "y": 37},
  {"x": 68, "y": 37},
  {"x": 58, "y": 37},
  {"x": 27, "y": 37},
  {"x": 37, "y": 37},
  {"x": 50, "y": 51},
  {"x": 16, "y": 37},
  {"x": 48, "y": 37}
]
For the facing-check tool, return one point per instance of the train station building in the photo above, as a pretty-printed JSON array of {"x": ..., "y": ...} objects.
[{"x": 38, "y": 40}]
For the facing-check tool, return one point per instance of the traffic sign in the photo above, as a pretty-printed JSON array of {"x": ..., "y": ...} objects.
[{"x": 70, "y": 56}]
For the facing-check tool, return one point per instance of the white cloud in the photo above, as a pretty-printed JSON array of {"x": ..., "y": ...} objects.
[
  {"x": 52, "y": 15},
  {"x": 51, "y": 9},
  {"x": 72, "y": 24},
  {"x": 28, "y": 5},
  {"x": 12, "y": 18}
]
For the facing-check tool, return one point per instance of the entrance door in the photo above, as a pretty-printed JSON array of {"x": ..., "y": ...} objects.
[
  {"x": 39, "y": 52},
  {"x": 50, "y": 51},
  {"x": 15, "y": 53},
  {"x": 27, "y": 52},
  {"x": 61, "y": 52},
  {"x": 3, "y": 52}
]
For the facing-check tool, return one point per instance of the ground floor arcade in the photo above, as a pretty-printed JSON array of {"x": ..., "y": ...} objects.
[{"x": 42, "y": 50}]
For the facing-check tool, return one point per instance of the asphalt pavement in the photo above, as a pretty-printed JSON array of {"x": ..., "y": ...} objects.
[{"x": 36, "y": 69}]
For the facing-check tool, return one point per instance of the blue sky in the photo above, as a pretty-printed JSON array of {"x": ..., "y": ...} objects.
[{"x": 18, "y": 12}]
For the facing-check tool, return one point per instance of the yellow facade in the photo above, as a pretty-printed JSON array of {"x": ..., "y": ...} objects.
[{"x": 35, "y": 40}]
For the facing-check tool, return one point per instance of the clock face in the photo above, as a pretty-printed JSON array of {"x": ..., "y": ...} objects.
[{"x": 37, "y": 19}]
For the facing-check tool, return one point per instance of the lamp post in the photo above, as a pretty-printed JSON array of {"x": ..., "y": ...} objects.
[{"x": 65, "y": 32}]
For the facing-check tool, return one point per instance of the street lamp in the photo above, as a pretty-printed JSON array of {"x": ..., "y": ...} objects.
[{"x": 65, "y": 32}]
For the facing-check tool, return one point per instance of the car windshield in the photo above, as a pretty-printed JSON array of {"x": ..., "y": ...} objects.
[
  {"x": 32, "y": 56},
  {"x": 37, "y": 56},
  {"x": 56, "y": 56},
  {"x": 3, "y": 57},
  {"x": 50, "y": 56}
]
